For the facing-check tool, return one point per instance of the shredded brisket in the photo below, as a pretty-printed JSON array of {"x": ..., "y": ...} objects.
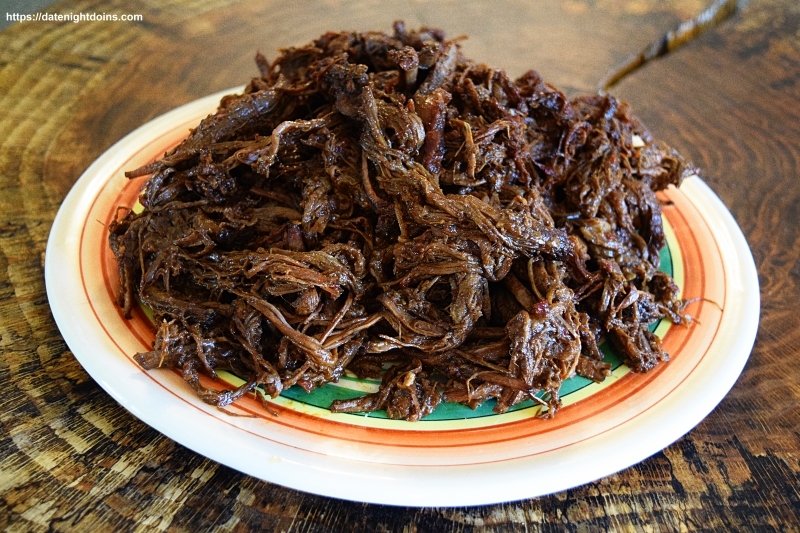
[{"x": 373, "y": 199}]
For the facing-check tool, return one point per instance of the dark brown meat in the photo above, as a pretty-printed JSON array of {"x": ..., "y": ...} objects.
[{"x": 374, "y": 199}]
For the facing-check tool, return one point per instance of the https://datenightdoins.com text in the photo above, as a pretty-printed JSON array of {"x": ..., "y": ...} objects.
[{"x": 44, "y": 16}]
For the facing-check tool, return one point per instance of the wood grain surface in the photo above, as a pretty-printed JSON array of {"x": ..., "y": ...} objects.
[{"x": 72, "y": 459}]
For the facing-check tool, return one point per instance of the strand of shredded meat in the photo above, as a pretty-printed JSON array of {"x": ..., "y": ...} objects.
[{"x": 373, "y": 199}]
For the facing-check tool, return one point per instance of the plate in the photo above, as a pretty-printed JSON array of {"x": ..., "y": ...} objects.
[{"x": 452, "y": 458}]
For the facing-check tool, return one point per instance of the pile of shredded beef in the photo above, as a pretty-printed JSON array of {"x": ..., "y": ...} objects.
[{"x": 377, "y": 199}]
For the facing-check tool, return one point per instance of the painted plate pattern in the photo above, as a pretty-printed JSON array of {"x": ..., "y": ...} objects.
[{"x": 455, "y": 456}]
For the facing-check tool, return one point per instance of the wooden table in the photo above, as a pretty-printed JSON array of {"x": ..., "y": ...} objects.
[{"x": 729, "y": 100}]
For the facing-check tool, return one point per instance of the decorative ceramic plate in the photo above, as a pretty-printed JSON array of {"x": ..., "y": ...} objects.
[{"x": 455, "y": 456}]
